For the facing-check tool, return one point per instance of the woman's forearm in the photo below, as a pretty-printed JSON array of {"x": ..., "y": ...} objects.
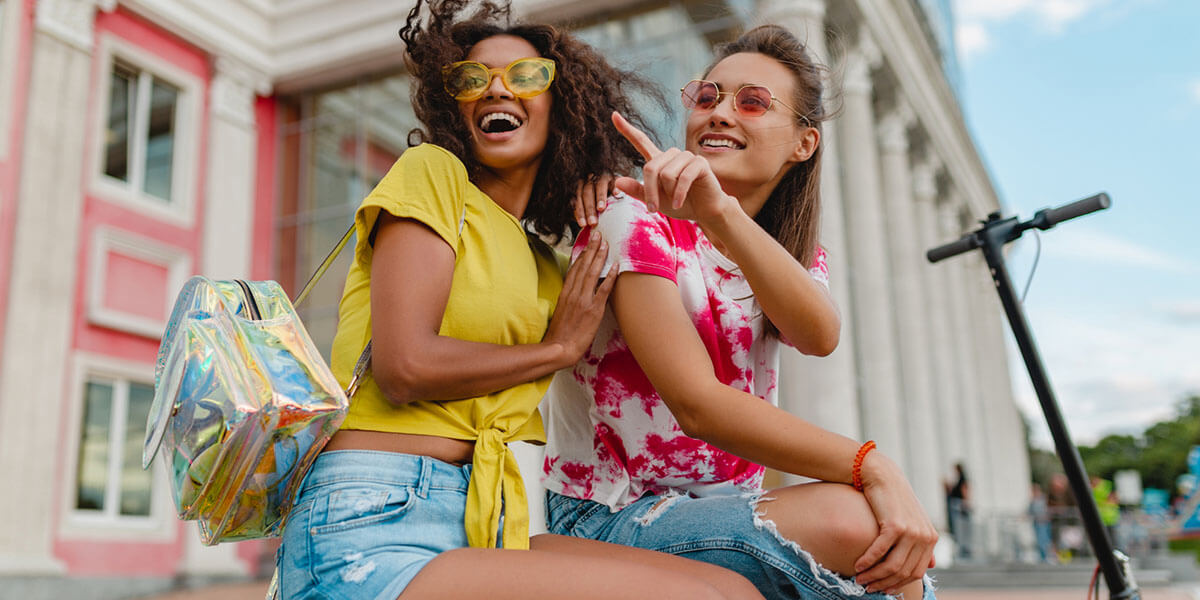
[
  {"x": 445, "y": 368},
  {"x": 764, "y": 433},
  {"x": 799, "y": 306}
]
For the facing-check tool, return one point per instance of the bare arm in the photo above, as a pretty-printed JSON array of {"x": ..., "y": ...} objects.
[
  {"x": 666, "y": 345},
  {"x": 410, "y": 285},
  {"x": 800, "y": 307}
]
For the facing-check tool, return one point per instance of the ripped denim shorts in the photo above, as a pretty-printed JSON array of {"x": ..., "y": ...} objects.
[
  {"x": 367, "y": 522},
  {"x": 722, "y": 530}
]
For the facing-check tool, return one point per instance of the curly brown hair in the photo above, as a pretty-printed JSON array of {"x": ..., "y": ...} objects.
[{"x": 583, "y": 142}]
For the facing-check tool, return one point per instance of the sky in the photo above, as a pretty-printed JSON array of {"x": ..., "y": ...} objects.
[{"x": 1067, "y": 98}]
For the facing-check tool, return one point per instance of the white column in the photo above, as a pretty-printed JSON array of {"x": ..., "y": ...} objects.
[
  {"x": 870, "y": 279},
  {"x": 1009, "y": 460},
  {"x": 232, "y": 148},
  {"x": 37, "y": 338},
  {"x": 943, "y": 375},
  {"x": 821, "y": 390},
  {"x": 912, "y": 324},
  {"x": 975, "y": 433}
]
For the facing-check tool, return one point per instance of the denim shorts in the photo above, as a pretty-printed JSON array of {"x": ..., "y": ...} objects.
[
  {"x": 367, "y": 522},
  {"x": 721, "y": 530}
]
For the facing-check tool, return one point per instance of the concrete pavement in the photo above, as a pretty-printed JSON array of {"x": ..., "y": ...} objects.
[{"x": 254, "y": 591}]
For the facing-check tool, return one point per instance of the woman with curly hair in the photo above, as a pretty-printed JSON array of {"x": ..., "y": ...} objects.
[{"x": 468, "y": 314}]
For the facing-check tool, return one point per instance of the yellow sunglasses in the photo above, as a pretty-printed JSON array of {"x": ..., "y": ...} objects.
[{"x": 467, "y": 80}]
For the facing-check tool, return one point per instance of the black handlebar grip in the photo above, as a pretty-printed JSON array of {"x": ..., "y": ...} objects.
[
  {"x": 965, "y": 244},
  {"x": 1053, "y": 216}
]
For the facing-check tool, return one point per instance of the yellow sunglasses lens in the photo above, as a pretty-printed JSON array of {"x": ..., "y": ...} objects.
[
  {"x": 528, "y": 78},
  {"x": 525, "y": 78}
]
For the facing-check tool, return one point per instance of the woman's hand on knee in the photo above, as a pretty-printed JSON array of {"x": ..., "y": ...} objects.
[{"x": 903, "y": 550}]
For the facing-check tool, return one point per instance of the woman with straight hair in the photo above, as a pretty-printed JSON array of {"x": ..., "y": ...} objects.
[{"x": 659, "y": 435}]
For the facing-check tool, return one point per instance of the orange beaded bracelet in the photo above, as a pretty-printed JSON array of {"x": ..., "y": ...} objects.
[{"x": 856, "y": 470}]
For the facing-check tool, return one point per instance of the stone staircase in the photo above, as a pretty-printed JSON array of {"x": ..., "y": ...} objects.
[{"x": 1150, "y": 571}]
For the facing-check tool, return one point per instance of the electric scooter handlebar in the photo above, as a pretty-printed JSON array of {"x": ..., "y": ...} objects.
[
  {"x": 964, "y": 244},
  {"x": 1049, "y": 217},
  {"x": 1043, "y": 219}
]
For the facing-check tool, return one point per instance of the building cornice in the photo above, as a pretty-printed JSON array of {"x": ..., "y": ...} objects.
[
  {"x": 70, "y": 21},
  {"x": 897, "y": 30}
]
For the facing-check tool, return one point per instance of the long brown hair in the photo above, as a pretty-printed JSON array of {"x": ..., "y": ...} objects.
[
  {"x": 792, "y": 212},
  {"x": 582, "y": 142}
]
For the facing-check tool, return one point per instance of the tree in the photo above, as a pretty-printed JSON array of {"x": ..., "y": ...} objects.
[{"x": 1159, "y": 453}]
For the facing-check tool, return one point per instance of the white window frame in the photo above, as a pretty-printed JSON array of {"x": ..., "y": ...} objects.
[
  {"x": 9, "y": 45},
  {"x": 176, "y": 260},
  {"x": 181, "y": 208},
  {"x": 109, "y": 524}
]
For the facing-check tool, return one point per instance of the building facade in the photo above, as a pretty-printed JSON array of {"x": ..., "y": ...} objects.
[{"x": 142, "y": 141}]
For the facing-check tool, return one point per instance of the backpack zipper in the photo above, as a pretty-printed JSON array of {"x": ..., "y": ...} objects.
[{"x": 251, "y": 304}]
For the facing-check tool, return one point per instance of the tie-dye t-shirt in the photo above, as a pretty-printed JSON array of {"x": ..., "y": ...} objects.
[{"x": 610, "y": 437}]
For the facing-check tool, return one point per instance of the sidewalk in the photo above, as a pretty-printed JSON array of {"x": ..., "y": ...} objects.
[
  {"x": 1065, "y": 593},
  {"x": 254, "y": 591}
]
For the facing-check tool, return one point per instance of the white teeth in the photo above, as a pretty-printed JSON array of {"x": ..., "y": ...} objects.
[
  {"x": 720, "y": 143},
  {"x": 488, "y": 118}
]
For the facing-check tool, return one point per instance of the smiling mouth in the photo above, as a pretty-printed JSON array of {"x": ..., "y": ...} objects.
[
  {"x": 499, "y": 122},
  {"x": 721, "y": 143}
]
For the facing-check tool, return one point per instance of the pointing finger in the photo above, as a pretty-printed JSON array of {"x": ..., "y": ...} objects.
[{"x": 642, "y": 142}]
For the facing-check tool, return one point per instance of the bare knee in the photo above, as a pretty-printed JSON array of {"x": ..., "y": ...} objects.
[{"x": 832, "y": 522}]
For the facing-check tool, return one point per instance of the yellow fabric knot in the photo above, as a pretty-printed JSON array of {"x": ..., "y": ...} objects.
[{"x": 496, "y": 487}]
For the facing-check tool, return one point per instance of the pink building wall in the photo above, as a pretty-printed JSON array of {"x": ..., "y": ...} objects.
[{"x": 130, "y": 284}]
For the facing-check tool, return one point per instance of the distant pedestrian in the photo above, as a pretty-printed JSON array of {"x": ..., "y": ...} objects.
[
  {"x": 958, "y": 504},
  {"x": 1039, "y": 513}
]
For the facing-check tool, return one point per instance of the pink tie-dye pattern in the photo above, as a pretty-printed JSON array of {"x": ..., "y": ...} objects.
[{"x": 638, "y": 446}]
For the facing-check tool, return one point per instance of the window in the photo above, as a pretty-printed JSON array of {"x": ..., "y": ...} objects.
[
  {"x": 139, "y": 136},
  {"x": 146, "y": 147},
  {"x": 110, "y": 481}
]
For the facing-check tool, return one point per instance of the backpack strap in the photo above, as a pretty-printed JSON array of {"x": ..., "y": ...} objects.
[{"x": 364, "y": 359}]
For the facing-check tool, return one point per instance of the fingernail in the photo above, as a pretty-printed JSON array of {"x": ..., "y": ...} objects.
[
  {"x": 601, "y": 204},
  {"x": 591, "y": 220}
]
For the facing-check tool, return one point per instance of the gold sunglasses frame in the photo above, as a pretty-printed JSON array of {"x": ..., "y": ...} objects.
[{"x": 774, "y": 99}]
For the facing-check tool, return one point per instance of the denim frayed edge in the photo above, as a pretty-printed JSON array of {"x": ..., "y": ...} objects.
[
  {"x": 843, "y": 585},
  {"x": 665, "y": 502}
]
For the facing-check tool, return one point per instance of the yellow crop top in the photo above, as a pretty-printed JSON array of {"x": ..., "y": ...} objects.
[{"x": 504, "y": 290}]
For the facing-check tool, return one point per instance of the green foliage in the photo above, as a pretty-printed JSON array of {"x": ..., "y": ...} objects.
[
  {"x": 1159, "y": 453},
  {"x": 1188, "y": 545}
]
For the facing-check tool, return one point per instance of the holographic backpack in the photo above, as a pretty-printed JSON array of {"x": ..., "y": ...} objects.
[{"x": 243, "y": 403}]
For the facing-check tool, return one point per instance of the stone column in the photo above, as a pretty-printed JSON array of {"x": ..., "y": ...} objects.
[
  {"x": 943, "y": 376},
  {"x": 41, "y": 310},
  {"x": 911, "y": 304},
  {"x": 871, "y": 304},
  {"x": 229, "y": 188},
  {"x": 228, "y": 225},
  {"x": 1009, "y": 460},
  {"x": 821, "y": 390},
  {"x": 974, "y": 430}
]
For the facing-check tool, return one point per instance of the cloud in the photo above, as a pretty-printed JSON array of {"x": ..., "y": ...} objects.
[
  {"x": 1094, "y": 246},
  {"x": 972, "y": 39},
  {"x": 1115, "y": 375},
  {"x": 975, "y": 17},
  {"x": 1053, "y": 14},
  {"x": 1181, "y": 312},
  {"x": 1194, "y": 88}
]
